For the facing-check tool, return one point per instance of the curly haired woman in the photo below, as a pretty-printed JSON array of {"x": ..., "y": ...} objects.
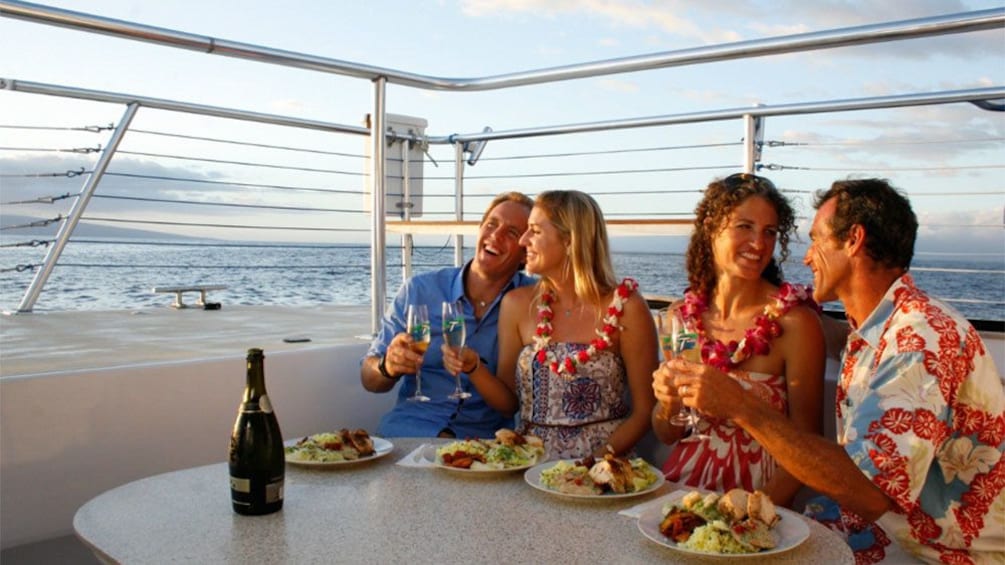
[{"x": 759, "y": 331}]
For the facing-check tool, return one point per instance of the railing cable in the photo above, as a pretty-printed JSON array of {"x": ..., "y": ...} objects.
[
  {"x": 20, "y": 268},
  {"x": 592, "y": 173},
  {"x": 777, "y": 167},
  {"x": 242, "y": 163},
  {"x": 92, "y": 129},
  {"x": 35, "y": 224},
  {"x": 611, "y": 151},
  {"x": 235, "y": 226},
  {"x": 39, "y": 200},
  {"x": 78, "y": 150},
  {"x": 232, "y": 183},
  {"x": 226, "y": 204},
  {"x": 223, "y": 244},
  {"x": 67, "y": 174},
  {"x": 871, "y": 142},
  {"x": 32, "y": 243},
  {"x": 246, "y": 143}
]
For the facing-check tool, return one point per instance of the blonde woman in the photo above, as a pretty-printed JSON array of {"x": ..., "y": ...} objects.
[{"x": 578, "y": 349}]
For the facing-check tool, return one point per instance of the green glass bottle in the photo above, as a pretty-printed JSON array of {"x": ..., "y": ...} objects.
[{"x": 257, "y": 459}]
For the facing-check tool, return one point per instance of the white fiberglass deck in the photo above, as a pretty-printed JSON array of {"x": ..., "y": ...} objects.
[{"x": 46, "y": 342}]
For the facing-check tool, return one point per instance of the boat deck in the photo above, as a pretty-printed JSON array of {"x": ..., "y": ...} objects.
[{"x": 45, "y": 342}]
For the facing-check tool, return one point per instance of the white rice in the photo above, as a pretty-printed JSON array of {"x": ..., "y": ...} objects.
[{"x": 712, "y": 539}]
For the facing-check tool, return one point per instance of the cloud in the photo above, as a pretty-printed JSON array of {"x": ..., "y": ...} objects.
[
  {"x": 618, "y": 85},
  {"x": 942, "y": 135},
  {"x": 736, "y": 20},
  {"x": 633, "y": 14},
  {"x": 33, "y": 177},
  {"x": 962, "y": 231}
]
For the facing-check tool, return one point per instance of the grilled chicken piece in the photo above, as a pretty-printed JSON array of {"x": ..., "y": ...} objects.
[
  {"x": 733, "y": 504},
  {"x": 508, "y": 437},
  {"x": 760, "y": 507},
  {"x": 615, "y": 472},
  {"x": 360, "y": 440}
]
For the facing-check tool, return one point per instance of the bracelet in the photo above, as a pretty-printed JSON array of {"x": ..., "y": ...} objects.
[{"x": 382, "y": 367}]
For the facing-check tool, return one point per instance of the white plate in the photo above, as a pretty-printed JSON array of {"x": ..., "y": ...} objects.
[
  {"x": 790, "y": 532},
  {"x": 381, "y": 448},
  {"x": 533, "y": 478}
]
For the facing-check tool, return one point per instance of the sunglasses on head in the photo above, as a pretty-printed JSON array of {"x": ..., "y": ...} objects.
[{"x": 738, "y": 180}]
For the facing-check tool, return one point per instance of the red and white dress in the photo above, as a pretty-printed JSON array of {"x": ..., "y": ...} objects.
[{"x": 727, "y": 456}]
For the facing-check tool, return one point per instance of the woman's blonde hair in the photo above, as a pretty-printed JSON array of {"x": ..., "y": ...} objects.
[{"x": 579, "y": 220}]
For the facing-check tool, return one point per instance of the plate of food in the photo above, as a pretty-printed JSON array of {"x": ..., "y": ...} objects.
[
  {"x": 735, "y": 524},
  {"x": 610, "y": 477},
  {"x": 508, "y": 452},
  {"x": 333, "y": 449}
]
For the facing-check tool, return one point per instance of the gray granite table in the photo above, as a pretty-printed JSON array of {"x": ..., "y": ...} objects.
[{"x": 380, "y": 512}]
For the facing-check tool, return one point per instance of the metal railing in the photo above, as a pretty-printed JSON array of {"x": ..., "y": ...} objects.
[{"x": 467, "y": 143}]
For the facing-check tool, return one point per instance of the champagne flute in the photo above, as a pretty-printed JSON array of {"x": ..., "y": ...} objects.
[
  {"x": 686, "y": 347},
  {"x": 418, "y": 328},
  {"x": 453, "y": 336},
  {"x": 679, "y": 338},
  {"x": 671, "y": 322}
]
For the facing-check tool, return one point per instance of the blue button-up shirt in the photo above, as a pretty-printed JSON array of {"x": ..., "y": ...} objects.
[{"x": 471, "y": 417}]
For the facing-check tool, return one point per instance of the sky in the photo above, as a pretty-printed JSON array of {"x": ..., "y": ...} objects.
[{"x": 948, "y": 158}]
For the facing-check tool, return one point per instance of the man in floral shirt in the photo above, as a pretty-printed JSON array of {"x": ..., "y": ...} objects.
[{"x": 918, "y": 466}]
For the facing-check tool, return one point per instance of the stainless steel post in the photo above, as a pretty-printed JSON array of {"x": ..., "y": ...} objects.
[
  {"x": 76, "y": 211},
  {"x": 406, "y": 210},
  {"x": 378, "y": 271},
  {"x": 458, "y": 201},
  {"x": 752, "y": 134}
]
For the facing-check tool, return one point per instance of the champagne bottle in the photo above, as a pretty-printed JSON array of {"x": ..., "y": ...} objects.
[{"x": 257, "y": 459}]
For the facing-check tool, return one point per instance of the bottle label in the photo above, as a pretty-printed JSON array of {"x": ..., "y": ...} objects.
[
  {"x": 265, "y": 404},
  {"x": 274, "y": 492},
  {"x": 239, "y": 484}
]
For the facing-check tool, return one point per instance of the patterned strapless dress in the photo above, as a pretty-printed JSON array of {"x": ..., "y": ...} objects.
[{"x": 574, "y": 417}]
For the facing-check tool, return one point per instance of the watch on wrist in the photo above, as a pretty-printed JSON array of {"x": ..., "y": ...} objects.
[{"x": 382, "y": 367}]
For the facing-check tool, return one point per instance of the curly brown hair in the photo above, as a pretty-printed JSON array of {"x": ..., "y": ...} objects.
[{"x": 722, "y": 196}]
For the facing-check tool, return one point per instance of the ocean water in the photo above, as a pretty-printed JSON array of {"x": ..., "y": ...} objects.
[{"x": 96, "y": 275}]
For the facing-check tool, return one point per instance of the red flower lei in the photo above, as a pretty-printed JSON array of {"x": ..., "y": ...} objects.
[
  {"x": 566, "y": 368},
  {"x": 757, "y": 339}
]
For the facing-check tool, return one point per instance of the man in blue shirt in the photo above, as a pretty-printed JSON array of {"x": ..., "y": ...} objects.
[{"x": 479, "y": 285}]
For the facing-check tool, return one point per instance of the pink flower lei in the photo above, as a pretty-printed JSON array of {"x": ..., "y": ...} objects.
[
  {"x": 566, "y": 368},
  {"x": 757, "y": 339}
]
